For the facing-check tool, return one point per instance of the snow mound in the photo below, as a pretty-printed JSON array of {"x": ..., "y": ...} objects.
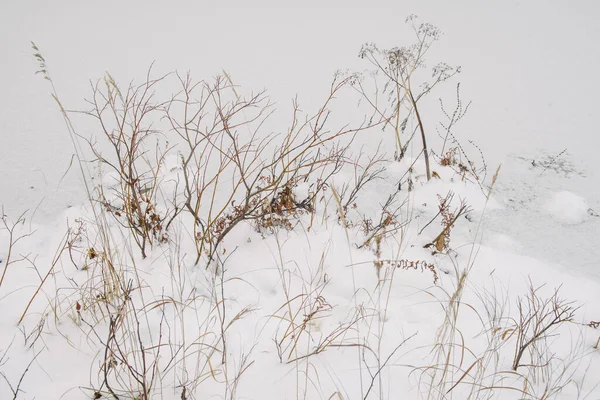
[{"x": 568, "y": 208}]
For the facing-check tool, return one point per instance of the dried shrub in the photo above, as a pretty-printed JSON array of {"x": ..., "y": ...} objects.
[
  {"x": 538, "y": 318},
  {"x": 441, "y": 243}
]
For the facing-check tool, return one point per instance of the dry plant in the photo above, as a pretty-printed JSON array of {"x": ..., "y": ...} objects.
[
  {"x": 126, "y": 121},
  {"x": 12, "y": 228},
  {"x": 398, "y": 67},
  {"x": 302, "y": 311},
  {"x": 595, "y": 325},
  {"x": 106, "y": 308},
  {"x": 449, "y": 350},
  {"x": 373, "y": 357},
  {"x": 441, "y": 243},
  {"x": 192, "y": 329},
  {"x": 62, "y": 247},
  {"x": 364, "y": 173},
  {"x": 452, "y": 153},
  {"x": 402, "y": 264},
  {"x": 492, "y": 312},
  {"x": 546, "y": 373},
  {"x": 538, "y": 318},
  {"x": 109, "y": 306},
  {"x": 151, "y": 341},
  {"x": 140, "y": 336},
  {"x": 452, "y": 118},
  {"x": 459, "y": 370},
  {"x": 389, "y": 222},
  {"x": 375, "y": 333},
  {"x": 129, "y": 365},
  {"x": 303, "y": 327},
  {"x": 15, "y": 388},
  {"x": 296, "y": 338},
  {"x": 226, "y": 152}
]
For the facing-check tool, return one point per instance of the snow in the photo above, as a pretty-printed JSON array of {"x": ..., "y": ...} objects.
[
  {"x": 313, "y": 312},
  {"x": 568, "y": 208}
]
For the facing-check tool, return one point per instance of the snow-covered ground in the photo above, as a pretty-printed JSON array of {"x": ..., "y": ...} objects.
[{"x": 310, "y": 312}]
